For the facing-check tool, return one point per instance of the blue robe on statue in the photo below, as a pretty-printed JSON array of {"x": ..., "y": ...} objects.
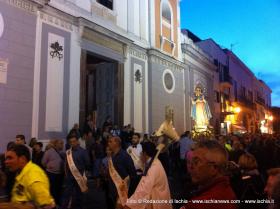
[{"x": 200, "y": 111}]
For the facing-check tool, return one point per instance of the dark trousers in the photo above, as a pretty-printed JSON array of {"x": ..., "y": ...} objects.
[
  {"x": 164, "y": 159},
  {"x": 56, "y": 183},
  {"x": 72, "y": 195},
  {"x": 111, "y": 203}
]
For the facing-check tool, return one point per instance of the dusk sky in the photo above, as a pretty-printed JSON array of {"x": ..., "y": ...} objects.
[{"x": 252, "y": 26}]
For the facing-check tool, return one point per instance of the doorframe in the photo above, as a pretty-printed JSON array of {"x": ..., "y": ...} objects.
[{"x": 118, "y": 101}]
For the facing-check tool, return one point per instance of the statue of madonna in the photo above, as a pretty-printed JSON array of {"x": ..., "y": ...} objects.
[{"x": 200, "y": 111}]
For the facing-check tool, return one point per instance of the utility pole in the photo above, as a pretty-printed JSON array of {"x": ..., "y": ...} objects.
[{"x": 232, "y": 45}]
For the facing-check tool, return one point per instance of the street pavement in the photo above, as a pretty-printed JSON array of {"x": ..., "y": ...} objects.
[{"x": 95, "y": 198}]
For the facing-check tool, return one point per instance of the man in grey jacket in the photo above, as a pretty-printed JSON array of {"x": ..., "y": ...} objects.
[{"x": 53, "y": 161}]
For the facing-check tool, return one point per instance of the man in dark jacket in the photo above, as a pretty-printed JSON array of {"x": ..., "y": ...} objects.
[
  {"x": 73, "y": 191},
  {"x": 38, "y": 154},
  {"x": 124, "y": 166}
]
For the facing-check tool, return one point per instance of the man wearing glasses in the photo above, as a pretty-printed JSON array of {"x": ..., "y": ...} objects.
[{"x": 207, "y": 167}]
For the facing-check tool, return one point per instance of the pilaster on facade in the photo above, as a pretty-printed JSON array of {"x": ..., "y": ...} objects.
[{"x": 138, "y": 82}]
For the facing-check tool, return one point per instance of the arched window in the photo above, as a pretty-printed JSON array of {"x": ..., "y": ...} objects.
[
  {"x": 166, "y": 27},
  {"x": 166, "y": 12}
]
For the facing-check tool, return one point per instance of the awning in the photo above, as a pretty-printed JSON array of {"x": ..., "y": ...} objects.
[
  {"x": 238, "y": 128},
  {"x": 227, "y": 113}
]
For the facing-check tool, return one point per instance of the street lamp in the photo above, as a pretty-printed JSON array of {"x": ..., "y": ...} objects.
[{"x": 237, "y": 110}]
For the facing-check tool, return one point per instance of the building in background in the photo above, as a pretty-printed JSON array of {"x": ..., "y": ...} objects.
[
  {"x": 222, "y": 84},
  {"x": 63, "y": 60},
  {"x": 17, "y": 54},
  {"x": 114, "y": 58},
  {"x": 263, "y": 113},
  {"x": 276, "y": 119},
  {"x": 200, "y": 71},
  {"x": 245, "y": 101},
  {"x": 241, "y": 94}
]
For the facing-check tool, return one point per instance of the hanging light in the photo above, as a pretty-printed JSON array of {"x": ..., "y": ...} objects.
[{"x": 237, "y": 109}]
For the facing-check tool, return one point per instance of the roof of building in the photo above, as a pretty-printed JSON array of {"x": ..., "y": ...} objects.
[
  {"x": 191, "y": 35},
  {"x": 196, "y": 39},
  {"x": 261, "y": 81}
]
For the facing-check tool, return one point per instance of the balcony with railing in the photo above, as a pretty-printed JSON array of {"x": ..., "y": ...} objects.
[
  {"x": 225, "y": 78},
  {"x": 260, "y": 100},
  {"x": 246, "y": 101}
]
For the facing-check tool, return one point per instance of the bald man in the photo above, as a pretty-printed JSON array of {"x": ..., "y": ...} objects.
[{"x": 207, "y": 172}]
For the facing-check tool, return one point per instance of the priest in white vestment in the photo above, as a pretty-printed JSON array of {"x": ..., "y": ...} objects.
[{"x": 152, "y": 191}]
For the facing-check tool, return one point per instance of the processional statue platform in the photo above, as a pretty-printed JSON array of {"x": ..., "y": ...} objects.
[{"x": 201, "y": 115}]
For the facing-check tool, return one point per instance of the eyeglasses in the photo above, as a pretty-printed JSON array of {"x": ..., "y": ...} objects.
[{"x": 196, "y": 161}]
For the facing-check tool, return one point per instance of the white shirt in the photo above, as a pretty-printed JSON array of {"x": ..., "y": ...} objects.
[
  {"x": 136, "y": 151},
  {"x": 82, "y": 143}
]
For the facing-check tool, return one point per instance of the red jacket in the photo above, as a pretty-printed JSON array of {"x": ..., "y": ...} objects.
[{"x": 218, "y": 191}]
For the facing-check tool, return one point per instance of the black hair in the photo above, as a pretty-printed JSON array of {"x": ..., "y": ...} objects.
[
  {"x": 11, "y": 143},
  {"x": 21, "y": 136},
  {"x": 138, "y": 135},
  {"x": 20, "y": 150},
  {"x": 88, "y": 131},
  {"x": 40, "y": 144},
  {"x": 72, "y": 135},
  {"x": 149, "y": 148}
]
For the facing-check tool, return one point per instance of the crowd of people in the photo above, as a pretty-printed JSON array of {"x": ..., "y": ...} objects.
[{"x": 222, "y": 172}]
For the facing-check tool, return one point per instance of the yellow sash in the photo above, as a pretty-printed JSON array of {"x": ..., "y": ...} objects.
[
  {"x": 81, "y": 179},
  {"x": 121, "y": 184}
]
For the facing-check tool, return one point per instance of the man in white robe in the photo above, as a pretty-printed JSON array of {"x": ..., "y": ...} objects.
[{"x": 152, "y": 191}]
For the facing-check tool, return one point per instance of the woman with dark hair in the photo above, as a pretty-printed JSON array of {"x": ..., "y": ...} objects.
[
  {"x": 108, "y": 123},
  {"x": 38, "y": 154},
  {"x": 32, "y": 142}
]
